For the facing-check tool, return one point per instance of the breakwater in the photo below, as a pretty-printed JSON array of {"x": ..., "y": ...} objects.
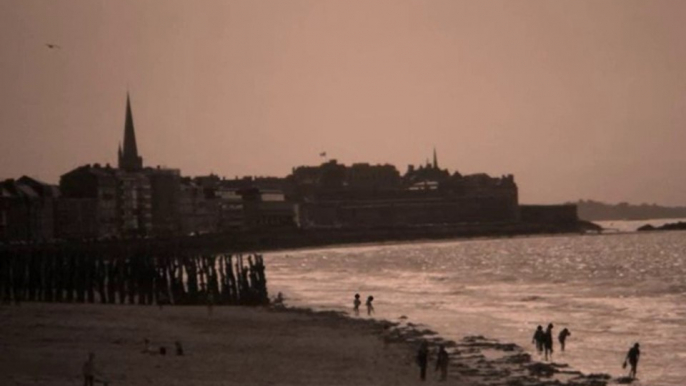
[
  {"x": 131, "y": 272},
  {"x": 269, "y": 239}
]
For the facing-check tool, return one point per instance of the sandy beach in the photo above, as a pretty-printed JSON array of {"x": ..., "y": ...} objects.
[{"x": 46, "y": 344}]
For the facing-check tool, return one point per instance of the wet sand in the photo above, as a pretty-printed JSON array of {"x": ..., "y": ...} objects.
[{"x": 46, "y": 344}]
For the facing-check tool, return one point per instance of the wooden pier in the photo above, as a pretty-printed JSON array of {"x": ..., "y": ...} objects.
[{"x": 174, "y": 272}]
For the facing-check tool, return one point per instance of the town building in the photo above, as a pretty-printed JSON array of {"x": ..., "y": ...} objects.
[
  {"x": 361, "y": 195},
  {"x": 199, "y": 209},
  {"x": 27, "y": 210},
  {"x": 134, "y": 203},
  {"x": 89, "y": 205},
  {"x": 165, "y": 190},
  {"x": 266, "y": 209},
  {"x": 103, "y": 202},
  {"x": 131, "y": 200}
]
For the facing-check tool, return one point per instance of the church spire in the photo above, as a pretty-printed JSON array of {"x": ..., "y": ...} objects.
[
  {"x": 435, "y": 159},
  {"x": 129, "y": 159},
  {"x": 130, "y": 147}
]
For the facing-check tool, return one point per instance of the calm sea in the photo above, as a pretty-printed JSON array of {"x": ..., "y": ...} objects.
[{"x": 609, "y": 290}]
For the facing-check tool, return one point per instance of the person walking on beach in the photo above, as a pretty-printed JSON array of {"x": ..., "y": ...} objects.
[
  {"x": 278, "y": 301},
  {"x": 563, "y": 337},
  {"x": 632, "y": 357},
  {"x": 89, "y": 370},
  {"x": 370, "y": 307},
  {"x": 442, "y": 362},
  {"x": 91, "y": 374},
  {"x": 538, "y": 339},
  {"x": 356, "y": 305},
  {"x": 548, "y": 343},
  {"x": 423, "y": 359}
]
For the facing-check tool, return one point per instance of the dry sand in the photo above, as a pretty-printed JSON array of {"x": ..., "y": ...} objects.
[{"x": 46, "y": 344}]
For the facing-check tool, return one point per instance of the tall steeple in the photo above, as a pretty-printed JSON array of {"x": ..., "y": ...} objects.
[
  {"x": 128, "y": 156},
  {"x": 435, "y": 159}
]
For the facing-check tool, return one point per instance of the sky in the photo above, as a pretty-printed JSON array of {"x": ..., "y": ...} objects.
[{"x": 578, "y": 99}]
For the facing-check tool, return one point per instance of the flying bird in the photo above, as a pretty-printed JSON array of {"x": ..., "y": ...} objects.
[{"x": 52, "y": 46}]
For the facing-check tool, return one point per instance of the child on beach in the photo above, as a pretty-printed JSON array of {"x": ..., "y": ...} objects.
[
  {"x": 442, "y": 362},
  {"x": 563, "y": 337},
  {"x": 89, "y": 372},
  {"x": 278, "y": 301},
  {"x": 356, "y": 305},
  {"x": 632, "y": 357},
  {"x": 370, "y": 308},
  {"x": 548, "y": 343},
  {"x": 422, "y": 359},
  {"x": 538, "y": 339}
]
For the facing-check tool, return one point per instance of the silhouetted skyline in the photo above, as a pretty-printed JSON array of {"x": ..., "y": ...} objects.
[{"x": 577, "y": 99}]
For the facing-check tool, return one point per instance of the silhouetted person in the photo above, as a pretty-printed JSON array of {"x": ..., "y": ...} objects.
[
  {"x": 539, "y": 339},
  {"x": 356, "y": 305},
  {"x": 179, "y": 348},
  {"x": 278, "y": 301},
  {"x": 632, "y": 357},
  {"x": 548, "y": 342},
  {"x": 563, "y": 337},
  {"x": 442, "y": 362},
  {"x": 423, "y": 359},
  {"x": 89, "y": 370},
  {"x": 370, "y": 307}
]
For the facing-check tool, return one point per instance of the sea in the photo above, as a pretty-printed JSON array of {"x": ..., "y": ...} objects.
[{"x": 610, "y": 290}]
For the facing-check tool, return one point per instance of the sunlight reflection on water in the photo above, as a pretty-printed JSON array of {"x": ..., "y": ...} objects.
[{"x": 610, "y": 291}]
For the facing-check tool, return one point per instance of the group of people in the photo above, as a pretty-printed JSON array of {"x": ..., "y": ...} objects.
[
  {"x": 544, "y": 340},
  {"x": 91, "y": 375},
  {"x": 357, "y": 303},
  {"x": 544, "y": 345},
  {"x": 162, "y": 350},
  {"x": 442, "y": 359}
]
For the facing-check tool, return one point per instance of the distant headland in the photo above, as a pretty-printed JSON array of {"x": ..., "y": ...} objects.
[{"x": 590, "y": 210}]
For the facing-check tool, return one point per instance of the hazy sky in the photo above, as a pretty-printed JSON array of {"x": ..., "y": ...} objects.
[{"x": 577, "y": 99}]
